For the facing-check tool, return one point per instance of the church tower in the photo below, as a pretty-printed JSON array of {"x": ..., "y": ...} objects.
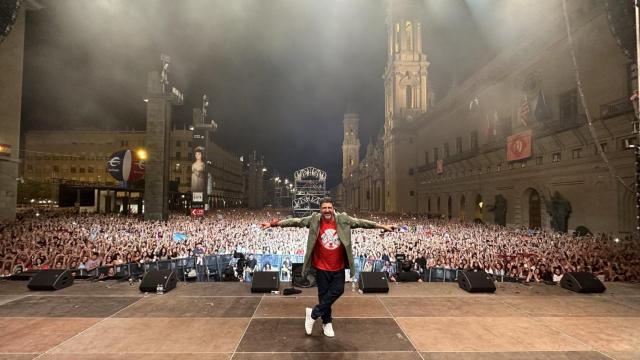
[
  {"x": 406, "y": 98},
  {"x": 350, "y": 144}
]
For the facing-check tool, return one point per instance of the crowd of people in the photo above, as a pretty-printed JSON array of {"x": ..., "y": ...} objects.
[{"x": 59, "y": 239}]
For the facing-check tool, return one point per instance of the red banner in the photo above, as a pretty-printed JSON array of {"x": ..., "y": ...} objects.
[
  {"x": 519, "y": 146},
  {"x": 197, "y": 212}
]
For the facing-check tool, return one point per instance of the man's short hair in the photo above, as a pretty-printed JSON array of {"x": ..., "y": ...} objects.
[{"x": 326, "y": 200}]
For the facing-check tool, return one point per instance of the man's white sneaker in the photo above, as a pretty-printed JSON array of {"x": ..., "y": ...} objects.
[
  {"x": 308, "y": 321},
  {"x": 328, "y": 330}
]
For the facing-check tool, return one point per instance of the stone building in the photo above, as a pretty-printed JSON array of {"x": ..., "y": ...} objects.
[
  {"x": 11, "y": 73},
  {"x": 451, "y": 159},
  {"x": 80, "y": 156},
  {"x": 254, "y": 190},
  {"x": 363, "y": 183}
]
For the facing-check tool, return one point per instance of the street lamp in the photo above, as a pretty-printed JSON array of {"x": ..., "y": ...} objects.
[{"x": 141, "y": 153}]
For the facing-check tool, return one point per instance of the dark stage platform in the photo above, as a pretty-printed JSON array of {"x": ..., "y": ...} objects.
[{"x": 113, "y": 320}]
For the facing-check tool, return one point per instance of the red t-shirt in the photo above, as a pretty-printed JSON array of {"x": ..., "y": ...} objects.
[{"x": 328, "y": 252}]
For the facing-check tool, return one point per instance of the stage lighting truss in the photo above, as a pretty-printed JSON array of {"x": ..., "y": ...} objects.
[{"x": 310, "y": 186}]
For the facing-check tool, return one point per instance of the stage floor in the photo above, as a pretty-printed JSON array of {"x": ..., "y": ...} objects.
[{"x": 111, "y": 320}]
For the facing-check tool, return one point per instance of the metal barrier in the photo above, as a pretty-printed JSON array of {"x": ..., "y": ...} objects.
[{"x": 214, "y": 268}]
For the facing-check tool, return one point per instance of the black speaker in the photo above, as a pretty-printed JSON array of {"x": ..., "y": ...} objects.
[
  {"x": 373, "y": 282},
  {"x": 51, "y": 280},
  {"x": 582, "y": 282},
  {"x": 476, "y": 281},
  {"x": 167, "y": 278},
  {"x": 265, "y": 281}
]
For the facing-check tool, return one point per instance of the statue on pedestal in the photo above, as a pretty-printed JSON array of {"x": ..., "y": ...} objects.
[{"x": 559, "y": 209}]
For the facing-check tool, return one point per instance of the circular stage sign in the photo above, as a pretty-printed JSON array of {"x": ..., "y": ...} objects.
[{"x": 125, "y": 166}]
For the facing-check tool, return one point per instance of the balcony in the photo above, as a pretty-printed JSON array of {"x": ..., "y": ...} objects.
[{"x": 616, "y": 108}]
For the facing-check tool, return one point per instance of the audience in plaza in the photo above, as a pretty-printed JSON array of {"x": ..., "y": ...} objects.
[{"x": 59, "y": 239}]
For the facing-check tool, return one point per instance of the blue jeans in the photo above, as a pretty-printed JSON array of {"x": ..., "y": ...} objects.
[{"x": 330, "y": 288}]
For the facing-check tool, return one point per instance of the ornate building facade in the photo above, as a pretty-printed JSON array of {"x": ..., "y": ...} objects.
[{"x": 512, "y": 144}]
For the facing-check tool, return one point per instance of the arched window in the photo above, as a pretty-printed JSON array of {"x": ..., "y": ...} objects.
[
  {"x": 409, "y": 97},
  {"x": 397, "y": 37},
  {"x": 408, "y": 35}
]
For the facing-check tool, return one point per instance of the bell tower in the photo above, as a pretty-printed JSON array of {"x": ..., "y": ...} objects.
[
  {"x": 350, "y": 144},
  {"x": 406, "y": 98}
]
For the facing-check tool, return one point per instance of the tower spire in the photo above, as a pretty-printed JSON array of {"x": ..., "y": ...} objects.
[{"x": 350, "y": 143}]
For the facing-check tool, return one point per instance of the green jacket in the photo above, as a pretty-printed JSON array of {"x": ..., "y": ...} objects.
[{"x": 344, "y": 224}]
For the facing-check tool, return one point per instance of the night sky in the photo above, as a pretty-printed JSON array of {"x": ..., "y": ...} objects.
[{"x": 279, "y": 73}]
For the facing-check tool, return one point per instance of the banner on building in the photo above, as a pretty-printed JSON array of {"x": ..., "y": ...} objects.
[
  {"x": 519, "y": 146},
  {"x": 439, "y": 166},
  {"x": 199, "y": 170}
]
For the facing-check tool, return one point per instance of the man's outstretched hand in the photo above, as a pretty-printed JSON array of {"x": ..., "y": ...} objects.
[
  {"x": 266, "y": 225},
  {"x": 386, "y": 228}
]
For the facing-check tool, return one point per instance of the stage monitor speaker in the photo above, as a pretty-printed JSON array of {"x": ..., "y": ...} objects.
[
  {"x": 51, "y": 280},
  {"x": 167, "y": 278},
  {"x": 582, "y": 282},
  {"x": 265, "y": 281},
  {"x": 373, "y": 282},
  {"x": 476, "y": 281}
]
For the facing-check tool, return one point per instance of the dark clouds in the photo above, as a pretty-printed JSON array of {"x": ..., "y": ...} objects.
[{"x": 279, "y": 73}]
